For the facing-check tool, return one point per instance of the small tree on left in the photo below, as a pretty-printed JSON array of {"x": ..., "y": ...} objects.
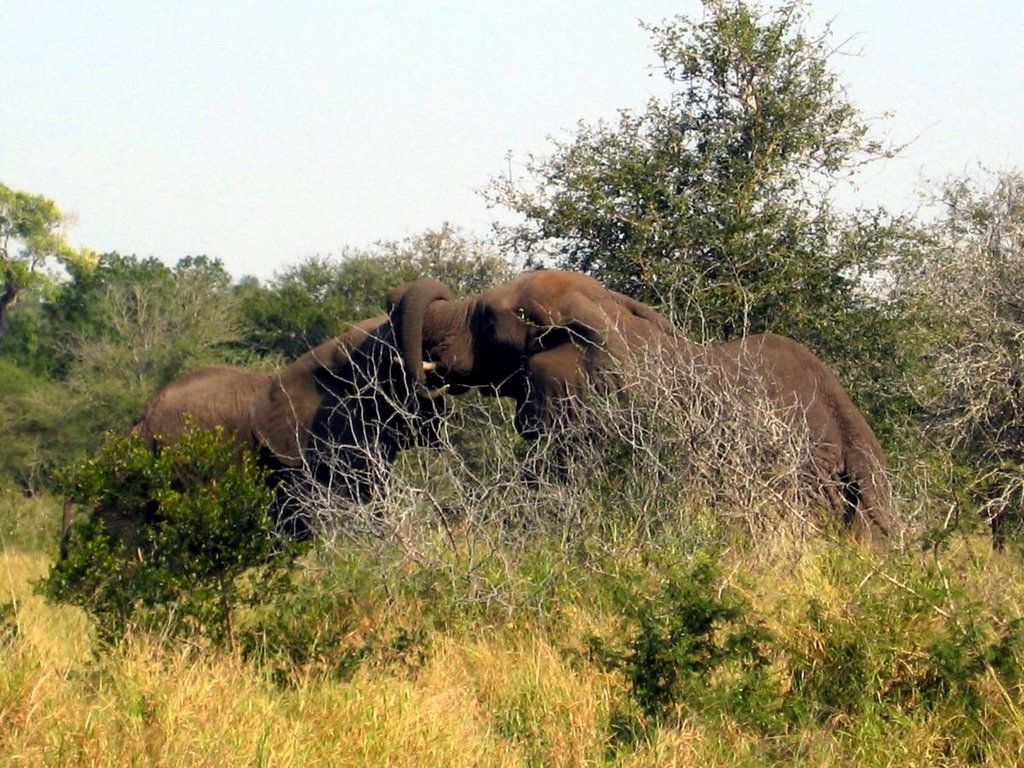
[
  {"x": 31, "y": 235},
  {"x": 175, "y": 541}
]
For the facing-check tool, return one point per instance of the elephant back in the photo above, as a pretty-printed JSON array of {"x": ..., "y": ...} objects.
[
  {"x": 207, "y": 397},
  {"x": 324, "y": 381}
]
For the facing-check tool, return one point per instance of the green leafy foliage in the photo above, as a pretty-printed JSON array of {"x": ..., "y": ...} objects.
[
  {"x": 142, "y": 329},
  {"x": 869, "y": 647},
  {"x": 320, "y": 298},
  {"x": 692, "y": 644},
  {"x": 141, "y": 321},
  {"x": 714, "y": 202},
  {"x": 175, "y": 541},
  {"x": 31, "y": 234},
  {"x": 25, "y": 341}
]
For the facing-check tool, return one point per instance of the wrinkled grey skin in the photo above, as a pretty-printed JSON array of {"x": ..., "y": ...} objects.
[
  {"x": 331, "y": 415},
  {"x": 549, "y": 334}
]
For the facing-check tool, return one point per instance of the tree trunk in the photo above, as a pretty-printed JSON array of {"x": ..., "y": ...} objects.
[{"x": 7, "y": 299}]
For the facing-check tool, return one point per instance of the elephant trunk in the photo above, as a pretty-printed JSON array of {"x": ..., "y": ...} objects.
[{"x": 407, "y": 306}]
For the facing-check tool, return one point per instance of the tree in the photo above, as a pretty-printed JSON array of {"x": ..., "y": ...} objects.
[
  {"x": 297, "y": 310},
  {"x": 466, "y": 265},
  {"x": 968, "y": 292},
  {"x": 320, "y": 297},
  {"x": 132, "y": 325},
  {"x": 31, "y": 234},
  {"x": 714, "y": 202}
]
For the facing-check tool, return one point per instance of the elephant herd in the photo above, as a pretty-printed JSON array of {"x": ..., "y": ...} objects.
[{"x": 543, "y": 339}]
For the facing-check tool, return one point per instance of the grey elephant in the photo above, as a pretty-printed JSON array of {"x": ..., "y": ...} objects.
[
  {"x": 335, "y": 415},
  {"x": 548, "y": 335}
]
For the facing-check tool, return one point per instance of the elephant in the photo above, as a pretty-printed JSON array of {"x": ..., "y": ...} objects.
[
  {"x": 334, "y": 415},
  {"x": 207, "y": 397},
  {"x": 547, "y": 336}
]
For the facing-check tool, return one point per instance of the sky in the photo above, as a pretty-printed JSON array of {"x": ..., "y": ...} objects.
[{"x": 262, "y": 133}]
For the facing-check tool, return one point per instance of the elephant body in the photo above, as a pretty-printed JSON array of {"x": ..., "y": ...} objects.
[
  {"x": 846, "y": 454},
  {"x": 548, "y": 336},
  {"x": 343, "y": 411},
  {"x": 207, "y": 397},
  {"x": 338, "y": 415}
]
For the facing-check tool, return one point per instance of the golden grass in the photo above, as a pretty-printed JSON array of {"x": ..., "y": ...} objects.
[
  {"x": 144, "y": 704},
  {"x": 498, "y": 694}
]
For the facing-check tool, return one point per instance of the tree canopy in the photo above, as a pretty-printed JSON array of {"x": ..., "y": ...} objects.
[
  {"x": 711, "y": 201},
  {"x": 31, "y": 234}
]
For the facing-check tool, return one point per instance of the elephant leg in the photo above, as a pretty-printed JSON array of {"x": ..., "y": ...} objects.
[
  {"x": 871, "y": 504},
  {"x": 556, "y": 382},
  {"x": 1006, "y": 525},
  {"x": 838, "y": 490}
]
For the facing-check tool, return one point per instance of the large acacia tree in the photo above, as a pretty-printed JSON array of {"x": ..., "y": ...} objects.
[{"x": 713, "y": 202}]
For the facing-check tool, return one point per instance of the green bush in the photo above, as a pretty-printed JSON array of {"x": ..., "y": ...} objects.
[
  {"x": 913, "y": 643},
  {"x": 693, "y": 644},
  {"x": 876, "y": 646},
  {"x": 175, "y": 541}
]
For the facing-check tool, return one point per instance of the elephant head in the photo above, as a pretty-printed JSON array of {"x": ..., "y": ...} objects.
[
  {"x": 549, "y": 336},
  {"x": 540, "y": 338},
  {"x": 356, "y": 391},
  {"x": 345, "y": 408}
]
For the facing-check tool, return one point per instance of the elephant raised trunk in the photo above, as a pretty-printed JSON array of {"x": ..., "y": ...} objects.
[{"x": 407, "y": 307}]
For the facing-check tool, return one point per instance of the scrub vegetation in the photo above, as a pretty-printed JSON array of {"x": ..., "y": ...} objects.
[{"x": 650, "y": 583}]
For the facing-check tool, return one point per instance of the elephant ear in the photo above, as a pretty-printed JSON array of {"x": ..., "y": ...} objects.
[
  {"x": 644, "y": 312},
  {"x": 283, "y": 420},
  {"x": 605, "y": 322}
]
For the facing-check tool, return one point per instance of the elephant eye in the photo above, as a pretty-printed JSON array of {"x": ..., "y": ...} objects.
[{"x": 520, "y": 312}]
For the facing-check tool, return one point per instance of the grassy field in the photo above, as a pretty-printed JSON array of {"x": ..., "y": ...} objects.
[{"x": 820, "y": 654}]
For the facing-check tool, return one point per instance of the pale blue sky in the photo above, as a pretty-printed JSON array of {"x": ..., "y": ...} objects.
[{"x": 264, "y": 136}]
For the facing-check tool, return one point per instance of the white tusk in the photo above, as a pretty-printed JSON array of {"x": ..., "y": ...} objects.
[
  {"x": 431, "y": 394},
  {"x": 428, "y": 367}
]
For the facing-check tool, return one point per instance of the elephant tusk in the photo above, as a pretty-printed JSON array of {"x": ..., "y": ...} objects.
[
  {"x": 431, "y": 394},
  {"x": 428, "y": 367}
]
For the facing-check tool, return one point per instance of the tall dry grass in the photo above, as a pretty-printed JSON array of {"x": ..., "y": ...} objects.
[
  {"x": 144, "y": 703},
  {"x": 445, "y": 621},
  {"x": 499, "y": 689}
]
